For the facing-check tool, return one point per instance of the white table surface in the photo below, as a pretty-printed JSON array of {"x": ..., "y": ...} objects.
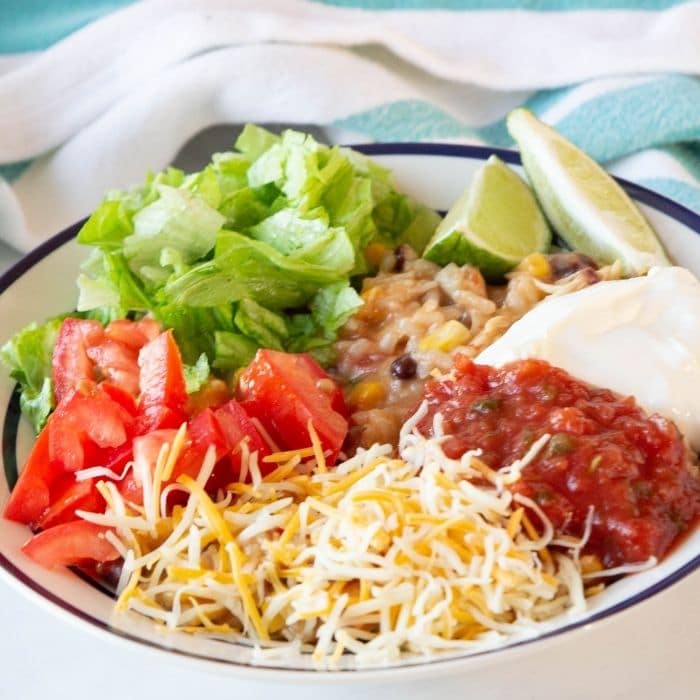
[{"x": 648, "y": 652}]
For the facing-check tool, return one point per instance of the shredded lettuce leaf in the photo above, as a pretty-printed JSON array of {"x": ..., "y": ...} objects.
[
  {"x": 232, "y": 350},
  {"x": 197, "y": 374},
  {"x": 263, "y": 247},
  {"x": 28, "y": 357}
]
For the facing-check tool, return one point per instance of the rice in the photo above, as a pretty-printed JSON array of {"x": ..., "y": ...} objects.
[{"x": 405, "y": 313}]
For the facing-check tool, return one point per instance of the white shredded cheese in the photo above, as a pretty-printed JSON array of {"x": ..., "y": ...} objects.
[{"x": 378, "y": 557}]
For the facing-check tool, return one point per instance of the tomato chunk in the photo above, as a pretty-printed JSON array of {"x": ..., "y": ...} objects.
[
  {"x": 204, "y": 430},
  {"x": 70, "y": 361},
  {"x": 146, "y": 449},
  {"x": 69, "y": 496},
  {"x": 237, "y": 427},
  {"x": 85, "y": 419},
  {"x": 89, "y": 424},
  {"x": 162, "y": 379},
  {"x": 117, "y": 364},
  {"x": 31, "y": 495},
  {"x": 70, "y": 543},
  {"x": 124, "y": 398},
  {"x": 133, "y": 334},
  {"x": 286, "y": 385},
  {"x": 325, "y": 383}
]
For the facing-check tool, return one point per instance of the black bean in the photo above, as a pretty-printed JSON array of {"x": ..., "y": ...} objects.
[
  {"x": 400, "y": 257},
  {"x": 565, "y": 264},
  {"x": 404, "y": 367}
]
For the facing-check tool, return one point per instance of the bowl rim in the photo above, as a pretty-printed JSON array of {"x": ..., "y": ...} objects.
[{"x": 415, "y": 669}]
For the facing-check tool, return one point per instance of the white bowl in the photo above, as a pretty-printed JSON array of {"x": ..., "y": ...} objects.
[{"x": 43, "y": 284}]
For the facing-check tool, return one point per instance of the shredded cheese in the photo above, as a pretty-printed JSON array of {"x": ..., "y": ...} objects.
[{"x": 378, "y": 557}]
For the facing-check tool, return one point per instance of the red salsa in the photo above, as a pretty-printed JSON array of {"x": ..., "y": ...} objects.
[{"x": 604, "y": 452}]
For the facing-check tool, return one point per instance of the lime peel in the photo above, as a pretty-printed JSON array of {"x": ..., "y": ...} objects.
[
  {"x": 585, "y": 205},
  {"x": 493, "y": 225}
]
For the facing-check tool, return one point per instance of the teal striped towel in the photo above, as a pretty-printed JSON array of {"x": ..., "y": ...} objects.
[{"x": 94, "y": 94}]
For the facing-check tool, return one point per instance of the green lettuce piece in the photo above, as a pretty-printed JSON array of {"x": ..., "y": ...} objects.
[
  {"x": 267, "y": 328},
  {"x": 195, "y": 327},
  {"x": 107, "y": 281},
  {"x": 197, "y": 374},
  {"x": 232, "y": 350},
  {"x": 245, "y": 208},
  {"x": 37, "y": 405},
  {"x": 308, "y": 240},
  {"x": 288, "y": 231},
  {"x": 305, "y": 336},
  {"x": 253, "y": 141},
  {"x": 206, "y": 185},
  {"x": 332, "y": 307},
  {"x": 178, "y": 220},
  {"x": 112, "y": 221},
  {"x": 244, "y": 268},
  {"x": 28, "y": 357},
  {"x": 107, "y": 227}
]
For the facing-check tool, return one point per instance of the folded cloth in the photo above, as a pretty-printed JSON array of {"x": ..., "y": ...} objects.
[{"x": 122, "y": 95}]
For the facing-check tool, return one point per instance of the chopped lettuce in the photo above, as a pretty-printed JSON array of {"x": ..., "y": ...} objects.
[
  {"x": 177, "y": 221},
  {"x": 28, "y": 357},
  {"x": 259, "y": 248},
  {"x": 332, "y": 307},
  {"x": 197, "y": 374},
  {"x": 232, "y": 350},
  {"x": 267, "y": 328},
  {"x": 244, "y": 268}
]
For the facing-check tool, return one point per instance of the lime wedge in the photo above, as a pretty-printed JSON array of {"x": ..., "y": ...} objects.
[
  {"x": 588, "y": 209},
  {"x": 493, "y": 225}
]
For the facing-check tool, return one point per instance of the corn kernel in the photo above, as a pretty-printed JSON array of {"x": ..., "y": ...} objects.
[
  {"x": 371, "y": 294},
  {"x": 537, "y": 265},
  {"x": 445, "y": 337},
  {"x": 374, "y": 253},
  {"x": 366, "y": 395},
  {"x": 590, "y": 563}
]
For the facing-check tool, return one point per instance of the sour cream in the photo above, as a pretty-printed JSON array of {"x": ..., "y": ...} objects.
[{"x": 638, "y": 337}]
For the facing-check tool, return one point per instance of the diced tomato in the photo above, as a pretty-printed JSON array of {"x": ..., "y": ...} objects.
[
  {"x": 85, "y": 416},
  {"x": 70, "y": 361},
  {"x": 31, "y": 495},
  {"x": 237, "y": 427},
  {"x": 325, "y": 383},
  {"x": 158, "y": 418},
  {"x": 117, "y": 364},
  {"x": 255, "y": 409},
  {"x": 116, "y": 458},
  {"x": 133, "y": 334},
  {"x": 162, "y": 376},
  {"x": 70, "y": 496},
  {"x": 124, "y": 398},
  {"x": 146, "y": 449},
  {"x": 205, "y": 430},
  {"x": 286, "y": 386},
  {"x": 130, "y": 489},
  {"x": 70, "y": 543}
]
